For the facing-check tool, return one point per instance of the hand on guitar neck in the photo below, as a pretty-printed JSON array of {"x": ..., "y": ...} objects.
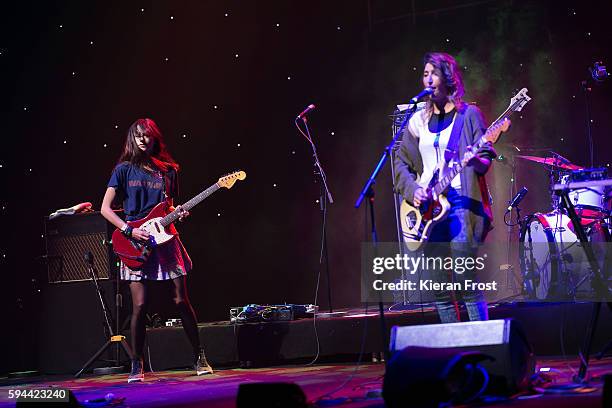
[
  {"x": 183, "y": 213},
  {"x": 480, "y": 164}
]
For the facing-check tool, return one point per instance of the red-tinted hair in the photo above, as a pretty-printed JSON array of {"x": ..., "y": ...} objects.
[{"x": 158, "y": 154}]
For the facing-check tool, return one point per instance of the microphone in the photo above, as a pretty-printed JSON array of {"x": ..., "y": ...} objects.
[
  {"x": 305, "y": 111},
  {"x": 424, "y": 93},
  {"x": 517, "y": 199}
]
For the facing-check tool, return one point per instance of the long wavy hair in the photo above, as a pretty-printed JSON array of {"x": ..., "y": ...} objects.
[
  {"x": 451, "y": 77},
  {"x": 158, "y": 155}
]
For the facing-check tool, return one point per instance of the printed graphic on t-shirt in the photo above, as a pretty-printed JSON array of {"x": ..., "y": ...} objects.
[{"x": 157, "y": 185}]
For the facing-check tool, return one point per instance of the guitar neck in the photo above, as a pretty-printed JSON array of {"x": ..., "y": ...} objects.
[
  {"x": 457, "y": 167},
  {"x": 174, "y": 215}
]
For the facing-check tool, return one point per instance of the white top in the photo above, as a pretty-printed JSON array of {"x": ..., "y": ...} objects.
[{"x": 431, "y": 155}]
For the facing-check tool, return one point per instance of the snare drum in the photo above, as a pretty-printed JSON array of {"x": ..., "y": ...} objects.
[{"x": 553, "y": 263}]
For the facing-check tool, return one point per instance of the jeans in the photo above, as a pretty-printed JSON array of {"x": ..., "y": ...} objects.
[{"x": 458, "y": 242}]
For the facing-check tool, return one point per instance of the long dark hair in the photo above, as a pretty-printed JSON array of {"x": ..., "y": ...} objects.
[
  {"x": 158, "y": 155},
  {"x": 451, "y": 76}
]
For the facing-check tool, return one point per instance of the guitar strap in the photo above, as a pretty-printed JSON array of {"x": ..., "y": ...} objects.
[
  {"x": 451, "y": 152},
  {"x": 453, "y": 141},
  {"x": 165, "y": 185}
]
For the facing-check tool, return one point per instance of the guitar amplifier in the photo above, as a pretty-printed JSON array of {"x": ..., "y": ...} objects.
[{"x": 69, "y": 238}]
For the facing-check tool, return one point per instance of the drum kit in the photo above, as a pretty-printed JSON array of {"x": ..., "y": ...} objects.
[{"x": 552, "y": 260}]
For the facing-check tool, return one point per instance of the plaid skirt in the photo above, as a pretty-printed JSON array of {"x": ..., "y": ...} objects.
[{"x": 167, "y": 261}]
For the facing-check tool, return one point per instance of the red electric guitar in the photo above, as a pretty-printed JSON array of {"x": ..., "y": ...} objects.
[{"x": 159, "y": 224}]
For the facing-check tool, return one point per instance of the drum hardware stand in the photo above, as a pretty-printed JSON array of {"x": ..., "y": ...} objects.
[
  {"x": 511, "y": 278},
  {"x": 114, "y": 338},
  {"x": 586, "y": 277},
  {"x": 531, "y": 274},
  {"x": 601, "y": 290}
]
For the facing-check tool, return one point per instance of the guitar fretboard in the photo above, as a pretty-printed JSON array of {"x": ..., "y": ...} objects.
[
  {"x": 456, "y": 167},
  {"x": 174, "y": 215}
]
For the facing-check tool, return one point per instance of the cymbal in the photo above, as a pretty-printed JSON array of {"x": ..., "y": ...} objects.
[{"x": 552, "y": 161}]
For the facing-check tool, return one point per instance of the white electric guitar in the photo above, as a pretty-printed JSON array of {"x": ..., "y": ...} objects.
[{"x": 416, "y": 222}]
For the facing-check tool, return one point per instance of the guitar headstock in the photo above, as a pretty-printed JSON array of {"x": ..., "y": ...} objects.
[
  {"x": 496, "y": 130},
  {"x": 519, "y": 100},
  {"x": 228, "y": 181}
]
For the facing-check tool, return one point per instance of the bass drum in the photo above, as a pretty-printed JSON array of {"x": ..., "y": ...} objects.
[{"x": 552, "y": 260}]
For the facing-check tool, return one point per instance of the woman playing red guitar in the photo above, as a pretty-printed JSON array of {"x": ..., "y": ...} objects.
[{"x": 145, "y": 176}]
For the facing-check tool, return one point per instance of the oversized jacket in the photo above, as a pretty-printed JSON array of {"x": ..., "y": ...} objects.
[{"x": 409, "y": 167}]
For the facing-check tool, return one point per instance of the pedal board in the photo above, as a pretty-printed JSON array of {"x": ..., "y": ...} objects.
[{"x": 271, "y": 313}]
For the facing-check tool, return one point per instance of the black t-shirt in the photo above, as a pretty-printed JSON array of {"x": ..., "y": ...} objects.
[{"x": 440, "y": 121}]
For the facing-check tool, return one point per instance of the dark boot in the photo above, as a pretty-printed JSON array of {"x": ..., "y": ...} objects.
[
  {"x": 137, "y": 373},
  {"x": 201, "y": 366}
]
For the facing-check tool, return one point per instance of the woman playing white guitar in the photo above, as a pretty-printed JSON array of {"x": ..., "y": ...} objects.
[{"x": 420, "y": 162}]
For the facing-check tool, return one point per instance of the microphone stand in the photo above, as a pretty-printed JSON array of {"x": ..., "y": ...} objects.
[
  {"x": 368, "y": 191},
  {"x": 114, "y": 337},
  {"x": 325, "y": 198}
]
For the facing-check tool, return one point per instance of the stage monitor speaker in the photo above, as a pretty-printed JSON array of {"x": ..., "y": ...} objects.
[
  {"x": 68, "y": 238},
  {"x": 429, "y": 377},
  {"x": 504, "y": 340}
]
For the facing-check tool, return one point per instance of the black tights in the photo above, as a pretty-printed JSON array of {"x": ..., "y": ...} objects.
[{"x": 139, "y": 314}]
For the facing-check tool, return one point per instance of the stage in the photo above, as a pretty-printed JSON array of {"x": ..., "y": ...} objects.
[
  {"x": 347, "y": 385},
  {"x": 284, "y": 351},
  {"x": 551, "y": 328}
]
